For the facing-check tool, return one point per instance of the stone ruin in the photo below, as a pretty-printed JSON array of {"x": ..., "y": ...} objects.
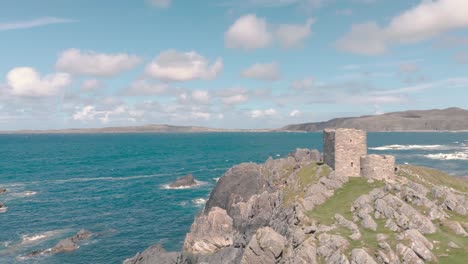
[{"x": 345, "y": 151}]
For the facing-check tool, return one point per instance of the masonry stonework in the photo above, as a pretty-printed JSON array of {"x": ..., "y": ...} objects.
[
  {"x": 379, "y": 167},
  {"x": 342, "y": 149}
]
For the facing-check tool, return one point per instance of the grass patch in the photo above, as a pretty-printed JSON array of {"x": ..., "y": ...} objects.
[
  {"x": 305, "y": 177},
  {"x": 433, "y": 176},
  {"x": 455, "y": 255},
  {"x": 342, "y": 200}
]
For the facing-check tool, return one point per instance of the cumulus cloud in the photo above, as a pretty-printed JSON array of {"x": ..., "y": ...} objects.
[
  {"x": 303, "y": 84},
  {"x": 160, "y": 3},
  {"x": 248, "y": 32},
  {"x": 259, "y": 113},
  {"x": 295, "y": 113},
  {"x": 235, "y": 99},
  {"x": 39, "y": 22},
  {"x": 426, "y": 20},
  {"x": 144, "y": 87},
  {"x": 79, "y": 62},
  {"x": 26, "y": 81},
  {"x": 172, "y": 65},
  {"x": 292, "y": 35},
  {"x": 251, "y": 32},
  {"x": 201, "y": 96},
  {"x": 90, "y": 113},
  {"x": 91, "y": 84},
  {"x": 263, "y": 71}
]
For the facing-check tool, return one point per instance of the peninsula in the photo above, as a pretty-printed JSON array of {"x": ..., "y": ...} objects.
[{"x": 341, "y": 206}]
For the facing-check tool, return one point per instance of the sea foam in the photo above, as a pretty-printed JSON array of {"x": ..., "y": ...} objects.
[
  {"x": 411, "y": 147},
  {"x": 448, "y": 156},
  {"x": 197, "y": 184}
]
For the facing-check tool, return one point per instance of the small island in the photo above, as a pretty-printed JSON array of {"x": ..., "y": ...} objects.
[{"x": 184, "y": 182}]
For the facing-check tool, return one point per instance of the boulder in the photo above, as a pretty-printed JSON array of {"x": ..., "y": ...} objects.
[
  {"x": 305, "y": 155},
  {"x": 266, "y": 246},
  {"x": 186, "y": 181},
  {"x": 210, "y": 233},
  {"x": 360, "y": 256},
  {"x": 154, "y": 255},
  {"x": 456, "y": 227},
  {"x": 407, "y": 255},
  {"x": 419, "y": 244}
]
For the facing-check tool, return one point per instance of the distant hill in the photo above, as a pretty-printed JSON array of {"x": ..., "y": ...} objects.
[{"x": 450, "y": 119}]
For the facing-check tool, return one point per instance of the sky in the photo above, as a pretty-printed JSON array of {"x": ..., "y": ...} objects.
[{"x": 226, "y": 63}]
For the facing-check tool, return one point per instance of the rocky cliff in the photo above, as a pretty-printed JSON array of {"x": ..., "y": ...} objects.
[
  {"x": 450, "y": 119},
  {"x": 296, "y": 210}
]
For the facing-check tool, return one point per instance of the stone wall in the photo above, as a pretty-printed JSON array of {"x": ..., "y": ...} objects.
[
  {"x": 343, "y": 149},
  {"x": 379, "y": 167}
]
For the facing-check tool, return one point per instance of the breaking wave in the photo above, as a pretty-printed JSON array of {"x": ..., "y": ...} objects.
[
  {"x": 199, "y": 201},
  {"x": 198, "y": 184},
  {"x": 448, "y": 156},
  {"x": 411, "y": 147},
  {"x": 109, "y": 178}
]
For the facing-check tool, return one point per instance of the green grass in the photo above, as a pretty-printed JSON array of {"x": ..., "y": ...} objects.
[
  {"x": 435, "y": 177},
  {"x": 305, "y": 177},
  {"x": 445, "y": 236},
  {"x": 342, "y": 200}
]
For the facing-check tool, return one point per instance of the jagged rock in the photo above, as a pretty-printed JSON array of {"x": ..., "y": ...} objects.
[
  {"x": 456, "y": 227},
  {"x": 389, "y": 255},
  {"x": 185, "y": 181},
  {"x": 381, "y": 237},
  {"x": 349, "y": 225},
  {"x": 266, "y": 246},
  {"x": 405, "y": 216},
  {"x": 305, "y": 155},
  {"x": 408, "y": 255},
  {"x": 360, "y": 256},
  {"x": 305, "y": 253},
  {"x": 65, "y": 245},
  {"x": 210, "y": 233},
  {"x": 238, "y": 184},
  {"x": 315, "y": 195},
  {"x": 419, "y": 244},
  {"x": 331, "y": 248},
  {"x": 368, "y": 222},
  {"x": 452, "y": 201},
  {"x": 390, "y": 224},
  {"x": 155, "y": 255}
]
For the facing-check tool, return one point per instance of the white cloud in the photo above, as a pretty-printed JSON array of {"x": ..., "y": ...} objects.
[
  {"x": 235, "y": 99},
  {"x": 143, "y": 87},
  {"x": 426, "y": 20},
  {"x": 92, "y": 63},
  {"x": 172, "y": 65},
  {"x": 91, "y": 84},
  {"x": 86, "y": 113},
  {"x": 160, "y": 3},
  {"x": 263, "y": 71},
  {"x": 295, "y": 113},
  {"x": 248, "y": 32},
  {"x": 26, "y": 81},
  {"x": 44, "y": 21},
  {"x": 303, "y": 84},
  {"x": 292, "y": 35},
  {"x": 258, "y": 113},
  {"x": 120, "y": 112},
  {"x": 200, "y": 115},
  {"x": 201, "y": 96}
]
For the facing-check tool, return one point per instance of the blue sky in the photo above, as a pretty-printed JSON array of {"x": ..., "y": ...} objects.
[{"x": 226, "y": 63}]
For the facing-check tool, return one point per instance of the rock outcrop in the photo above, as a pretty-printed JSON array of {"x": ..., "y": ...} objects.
[
  {"x": 3, "y": 207},
  {"x": 186, "y": 181},
  {"x": 297, "y": 210},
  {"x": 3, "y": 190},
  {"x": 65, "y": 245}
]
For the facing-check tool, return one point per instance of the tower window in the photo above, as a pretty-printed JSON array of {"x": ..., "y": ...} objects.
[{"x": 352, "y": 164}]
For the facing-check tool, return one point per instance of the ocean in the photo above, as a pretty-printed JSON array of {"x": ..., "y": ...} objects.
[{"x": 115, "y": 185}]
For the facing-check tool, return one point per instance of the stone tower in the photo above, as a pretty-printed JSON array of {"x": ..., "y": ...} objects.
[
  {"x": 379, "y": 167},
  {"x": 342, "y": 150}
]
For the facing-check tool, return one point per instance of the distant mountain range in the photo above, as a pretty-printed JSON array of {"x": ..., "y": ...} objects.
[{"x": 450, "y": 119}]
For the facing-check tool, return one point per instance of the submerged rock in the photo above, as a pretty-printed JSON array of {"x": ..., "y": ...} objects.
[
  {"x": 3, "y": 207},
  {"x": 65, "y": 245},
  {"x": 3, "y": 190},
  {"x": 186, "y": 181}
]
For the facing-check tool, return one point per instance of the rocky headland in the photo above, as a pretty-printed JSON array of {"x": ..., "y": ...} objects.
[{"x": 297, "y": 210}]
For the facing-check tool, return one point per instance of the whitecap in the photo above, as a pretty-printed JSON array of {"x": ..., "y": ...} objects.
[
  {"x": 278, "y": 155},
  {"x": 35, "y": 238},
  {"x": 109, "y": 178},
  {"x": 3, "y": 209},
  {"x": 197, "y": 184},
  {"x": 411, "y": 147},
  {"x": 448, "y": 156},
  {"x": 199, "y": 201},
  {"x": 216, "y": 179}
]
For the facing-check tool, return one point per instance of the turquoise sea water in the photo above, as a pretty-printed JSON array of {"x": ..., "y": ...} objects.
[{"x": 113, "y": 184}]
